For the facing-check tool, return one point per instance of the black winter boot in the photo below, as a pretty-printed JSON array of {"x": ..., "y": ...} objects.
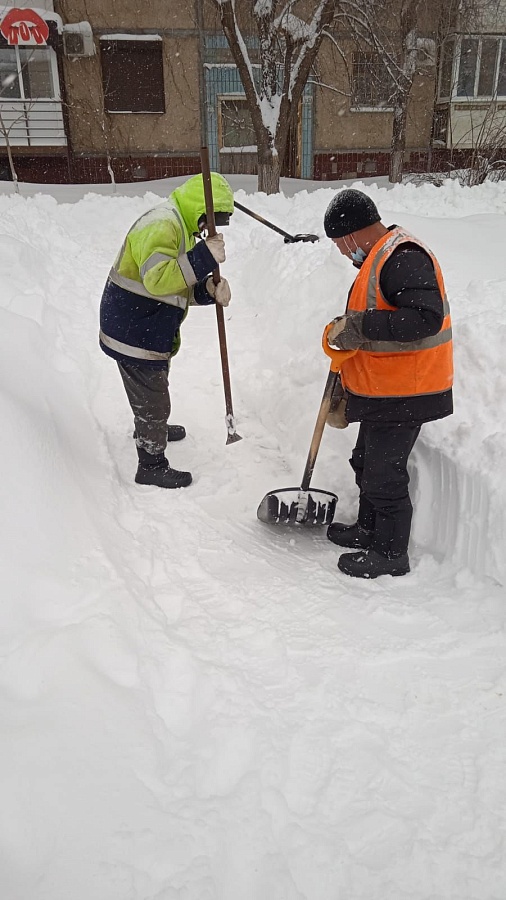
[
  {"x": 156, "y": 470},
  {"x": 349, "y": 535},
  {"x": 174, "y": 433},
  {"x": 370, "y": 564}
]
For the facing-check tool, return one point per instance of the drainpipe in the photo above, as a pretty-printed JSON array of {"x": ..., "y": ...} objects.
[
  {"x": 202, "y": 81},
  {"x": 65, "y": 108}
]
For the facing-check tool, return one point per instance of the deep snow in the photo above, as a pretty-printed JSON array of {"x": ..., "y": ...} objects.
[{"x": 195, "y": 706}]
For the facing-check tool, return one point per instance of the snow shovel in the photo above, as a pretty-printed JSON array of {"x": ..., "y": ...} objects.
[
  {"x": 300, "y": 506},
  {"x": 289, "y": 238}
]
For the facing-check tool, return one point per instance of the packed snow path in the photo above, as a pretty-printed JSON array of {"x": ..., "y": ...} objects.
[{"x": 199, "y": 707}]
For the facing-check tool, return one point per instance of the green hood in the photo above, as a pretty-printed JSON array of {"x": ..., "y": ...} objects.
[{"x": 189, "y": 199}]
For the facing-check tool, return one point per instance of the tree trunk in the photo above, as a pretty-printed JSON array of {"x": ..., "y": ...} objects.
[
  {"x": 410, "y": 51},
  {"x": 290, "y": 166},
  {"x": 10, "y": 158},
  {"x": 268, "y": 172},
  {"x": 398, "y": 144}
]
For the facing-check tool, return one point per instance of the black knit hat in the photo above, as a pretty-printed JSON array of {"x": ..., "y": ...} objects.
[{"x": 349, "y": 211}]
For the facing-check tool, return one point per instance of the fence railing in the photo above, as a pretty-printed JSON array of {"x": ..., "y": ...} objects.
[{"x": 32, "y": 123}]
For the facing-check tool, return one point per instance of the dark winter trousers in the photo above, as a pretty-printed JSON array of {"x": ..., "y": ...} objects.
[
  {"x": 379, "y": 461},
  {"x": 148, "y": 394}
]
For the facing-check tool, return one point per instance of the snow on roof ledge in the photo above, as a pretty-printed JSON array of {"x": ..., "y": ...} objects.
[
  {"x": 78, "y": 28},
  {"x": 131, "y": 37},
  {"x": 48, "y": 14}
]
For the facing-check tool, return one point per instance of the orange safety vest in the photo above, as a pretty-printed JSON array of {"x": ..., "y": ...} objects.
[{"x": 395, "y": 368}]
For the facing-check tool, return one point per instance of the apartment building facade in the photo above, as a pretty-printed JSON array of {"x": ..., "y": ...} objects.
[{"x": 93, "y": 91}]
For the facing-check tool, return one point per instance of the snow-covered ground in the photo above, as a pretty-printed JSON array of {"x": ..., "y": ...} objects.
[{"x": 196, "y": 706}]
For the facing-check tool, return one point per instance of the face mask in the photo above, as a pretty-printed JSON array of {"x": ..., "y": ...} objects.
[
  {"x": 221, "y": 219},
  {"x": 358, "y": 255}
]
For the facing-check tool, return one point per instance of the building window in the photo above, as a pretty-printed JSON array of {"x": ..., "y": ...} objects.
[
  {"x": 235, "y": 128},
  {"x": 467, "y": 68},
  {"x": 29, "y": 98},
  {"x": 473, "y": 68},
  {"x": 132, "y": 73},
  {"x": 28, "y": 73},
  {"x": 440, "y": 126},
  {"x": 446, "y": 72},
  {"x": 371, "y": 85}
]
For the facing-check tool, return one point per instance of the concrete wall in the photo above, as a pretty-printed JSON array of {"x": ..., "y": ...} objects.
[
  {"x": 92, "y": 130},
  {"x": 339, "y": 127},
  {"x": 345, "y": 141}
]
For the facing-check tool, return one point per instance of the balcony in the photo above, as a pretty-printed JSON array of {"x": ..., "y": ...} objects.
[{"x": 32, "y": 123}]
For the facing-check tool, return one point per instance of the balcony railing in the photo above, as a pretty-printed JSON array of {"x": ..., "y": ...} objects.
[{"x": 32, "y": 123}]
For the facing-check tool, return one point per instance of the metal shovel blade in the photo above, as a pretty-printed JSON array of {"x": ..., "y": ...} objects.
[
  {"x": 292, "y": 506},
  {"x": 305, "y": 238}
]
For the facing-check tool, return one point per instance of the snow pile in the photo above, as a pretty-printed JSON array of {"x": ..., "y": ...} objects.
[{"x": 196, "y": 706}]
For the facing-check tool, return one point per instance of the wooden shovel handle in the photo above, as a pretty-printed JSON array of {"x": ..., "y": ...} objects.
[
  {"x": 232, "y": 435},
  {"x": 208, "y": 196},
  {"x": 318, "y": 431}
]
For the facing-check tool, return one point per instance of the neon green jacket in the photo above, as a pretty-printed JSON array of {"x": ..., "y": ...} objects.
[
  {"x": 162, "y": 233},
  {"x": 152, "y": 280}
]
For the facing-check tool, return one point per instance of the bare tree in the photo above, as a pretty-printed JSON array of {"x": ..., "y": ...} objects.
[
  {"x": 410, "y": 44},
  {"x": 395, "y": 36},
  {"x": 5, "y": 131},
  {"x": 487, "y": 152},
  {"x": 483, "y": 144},
  {"x": 404, "y": 43},
  {"x": 409, "y": 47},
  {"x": 287, "y": 48},
  {"x": 6, "y": 127}
]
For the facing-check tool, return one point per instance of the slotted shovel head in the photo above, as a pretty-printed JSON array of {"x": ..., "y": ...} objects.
[
  {"x": 300, "y": 506},
  {"x": 292, "y": 506}
]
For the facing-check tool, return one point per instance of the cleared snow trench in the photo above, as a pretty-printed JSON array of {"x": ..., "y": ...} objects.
[{"x": 454, "y": 514}]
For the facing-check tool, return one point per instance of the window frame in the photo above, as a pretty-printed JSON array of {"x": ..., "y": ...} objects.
[
  {"x": 55, "y": 79},
  {"x": 453, "y": 96},
  {"x": 134, "y": 41},
  {"x": 366, "y": 107},
  {"x": 222, "y": 148}
]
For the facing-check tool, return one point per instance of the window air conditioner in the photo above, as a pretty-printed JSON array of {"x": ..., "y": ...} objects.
[{"x": 78, "y": 40}]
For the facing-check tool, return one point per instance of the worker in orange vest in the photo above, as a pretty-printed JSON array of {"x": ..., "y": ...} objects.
[{"x": 397, "y": 320}]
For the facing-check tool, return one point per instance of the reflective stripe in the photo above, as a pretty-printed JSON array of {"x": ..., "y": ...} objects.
[
  {"x": 371, "y": 289},
  {"x": 394, "y": 368},
  {"x": 442, "y": 337},
  {"x": 120, "y": 254},
  {"x": 136, "y": 287},
  {"x": 396, "y": 396},
  {"x": 153, "y": 261},
  {"x": 186, "y": 270},
  {"x": 399, "y": 236},
  {"x": 182, "y": 259},
  {"x": 135, "y": 352},
  {"x": 182, "y": 245}
]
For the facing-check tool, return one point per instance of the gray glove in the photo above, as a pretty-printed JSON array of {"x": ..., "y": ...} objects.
[
  {"x": 216, "y": 246},
  {"x": 221, "y": 291},
  {"x": 346, "y": 332},
  {"x": 336, "y": 417}
]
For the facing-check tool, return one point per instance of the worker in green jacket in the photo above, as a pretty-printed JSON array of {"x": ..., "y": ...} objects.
[{"x": 160, "y": 269}]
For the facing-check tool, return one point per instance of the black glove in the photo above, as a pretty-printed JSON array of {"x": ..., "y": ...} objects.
[{"x": 346, "y": 332}]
